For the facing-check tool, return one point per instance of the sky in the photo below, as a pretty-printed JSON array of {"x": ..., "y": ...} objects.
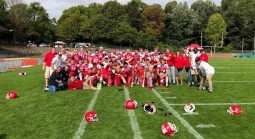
[{"x": 56, "y": 7}]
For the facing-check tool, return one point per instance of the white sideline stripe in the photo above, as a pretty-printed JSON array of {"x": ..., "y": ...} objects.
[
  {"x": 165, "y": 92},
  {"x": 213, "y": 104},
  {"x": 205, "y": 126},
  {"x": 178, "y": 116},
  {"x": 192, "y": 113},
  {"x": 233, "y": 81},
  {"x": 83, "y": 123},
  {"x": 133, "y": 119},
  {"x": 170, "y": 97}
]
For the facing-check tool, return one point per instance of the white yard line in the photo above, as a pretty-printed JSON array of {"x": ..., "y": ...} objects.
[
  {"x": 192, "y": 113},
  {"x": 133, "y": 119},
  {"x": 213, "y": 104},
  {"x": 233, "y": 81},
  {"x": 205, "y": 126},
  {"x": 170, "y": 97},
  {"x": 178, "y": 116},
  {"x": 83, "y": 123}
]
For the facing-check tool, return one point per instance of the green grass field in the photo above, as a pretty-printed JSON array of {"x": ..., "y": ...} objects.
[{"x": 36, "y": 115}]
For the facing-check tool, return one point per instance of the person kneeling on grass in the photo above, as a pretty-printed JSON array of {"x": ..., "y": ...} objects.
[
  {"x": 75, "y": 84},
  {"x": 55, "y": 81}
]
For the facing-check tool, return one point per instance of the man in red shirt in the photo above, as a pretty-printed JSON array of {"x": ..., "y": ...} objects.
[
  {"x": 171, "y": 69},
  {"x": 75, "y": 84},
  {"x": 178, "y": 62},
  {"x": 47, "y": 66}
]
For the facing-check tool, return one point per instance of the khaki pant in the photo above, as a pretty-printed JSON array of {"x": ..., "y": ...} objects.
[
  {"x": 208, "y": 77},
  {"x": 48, "y": 72}
]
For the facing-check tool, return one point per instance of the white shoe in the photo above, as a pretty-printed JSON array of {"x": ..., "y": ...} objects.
[
  {"x": 210, "y": 90},
  {"x": 204, "y": 88},
  {"x": 46, "y": 88}
]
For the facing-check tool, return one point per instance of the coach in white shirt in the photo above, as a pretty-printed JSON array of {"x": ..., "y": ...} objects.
[
  {"x": 207, "y": 73},
  {"x": 56, "y": 61}
]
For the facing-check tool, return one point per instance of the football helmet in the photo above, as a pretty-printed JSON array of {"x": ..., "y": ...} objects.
[
  {"x": 22, "y": 73},
  {"x": 131, "y": 104},
  {"x": 149, "y": 108},
  {"x": 169, "y": 129},
  {"x": 235, "y": 110},
  {"x": 189, "y": 107},
  {"x": 11, "y": 95},
  {"x": 91, "y": 116}
]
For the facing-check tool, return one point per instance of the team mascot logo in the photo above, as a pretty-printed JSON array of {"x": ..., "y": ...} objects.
[
  {"x": 235, "y": 110},
  {"x": 21, "y": 73},
  {"x": 131, "y": 104},
  {"x": 90, "y": 116},
  {"x": 189, "y": 108},
  {"x": 169, "y": 129},
  {"x": 11, "y": 95}
]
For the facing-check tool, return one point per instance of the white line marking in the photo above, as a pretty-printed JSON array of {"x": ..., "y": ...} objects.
[
  {"x": 83, "y": 123},
  {"x": 213, "y": 104},
  {"x": 170, "y": 97},
  {"x": 233, "y": 81},
  {"x": 178, "y": 116},
  {"x": 133, "y": 119},
  {"x": 205, "y": 126},
  {"x": 192, "y": 113},
  {"x": 165, "y": 92}
]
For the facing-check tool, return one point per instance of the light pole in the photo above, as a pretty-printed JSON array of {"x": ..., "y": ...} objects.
[{"x": 13, "y": 35}]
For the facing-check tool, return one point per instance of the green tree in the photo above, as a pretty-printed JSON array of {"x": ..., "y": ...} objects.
[
  {"x": 204, "y": 9},
  {"x": 146, "y": 39},
  {"x": 70, "y": 24},
  {"x": 154, "y": 17},
  {"x": 215, "y": 28},
  {"x": 4, "y": 20},
  {"x": 240, "y": 17},
  {"x": 40, "y": 27},
  {"x": 134, "y": 9},
  {"x": 113, "y": 10},
  {"x": 180, "y": 26},
  {"x": 19, "y": 21},
  {"x": 124, "y": 33}
]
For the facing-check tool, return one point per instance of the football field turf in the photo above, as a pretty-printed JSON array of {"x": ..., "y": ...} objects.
[{"x": 36, "y": 115}]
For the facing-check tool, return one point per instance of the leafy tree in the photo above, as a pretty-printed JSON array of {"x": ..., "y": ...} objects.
[
  {"x": 124, "y": 33},
  {"x": 240, "y": 18},
  {"x": 19, "y": 21},
  {"x": 96, "y": 7},
  {"x": 215, "y": 28},
  {"x": 40, "y": 27},
  {"x": 180, "y": 25},
  {"x": 134, "y": 9},
  {"x": 154, "y": 17},
  {"x": 170, "y": 6},
  {"x": 4, "y": 20},
  {"x": 146, "y": 39},
  {"x": 204, "y": 9},
  {"x": 71, "y": 22},
  {"x": 113, "y": 10}
]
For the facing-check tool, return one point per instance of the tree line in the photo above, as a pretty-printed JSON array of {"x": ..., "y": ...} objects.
[{"x": 137, "y": 24}]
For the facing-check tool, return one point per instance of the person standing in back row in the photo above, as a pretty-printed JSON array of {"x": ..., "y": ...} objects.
[
  {"x": 47, "y": 66},
  {"x": 207, "y": 72},
  {"x": 194, "y": 70}
]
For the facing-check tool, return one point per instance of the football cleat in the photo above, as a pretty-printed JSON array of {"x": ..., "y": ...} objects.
[
  {"x": 235, "y": 110},
  {"x": 11, "y": 95},
  {"x": 90, "y": 116},
  {"x": 189, "y": 108},
  {"x": 169, "y": 129},
  {"x": 149, "y": 108}
]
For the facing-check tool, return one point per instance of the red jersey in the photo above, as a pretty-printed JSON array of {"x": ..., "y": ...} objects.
[
  {"x": 136, "y": 56},
  {"x": 178, "y": 62},
  {"x": 140, "y": 68},
  {"x": 128, "y": 56},
  {"x": 77, "y": 84},
  {"x": 101, "y": 55},
  {"x": 96, "y": 59},
  {"x": 83, "y": 55},
  {"x": 162, "y": 68},
  {"x": 48, "y": 58},
  {"x": 76, "y": 58},
  {"x": 108, "y": 70},
  {"x": 170, "y": 59},
  {"x": 204, "y": 57},
  {"x": 186, "y": 62}
]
